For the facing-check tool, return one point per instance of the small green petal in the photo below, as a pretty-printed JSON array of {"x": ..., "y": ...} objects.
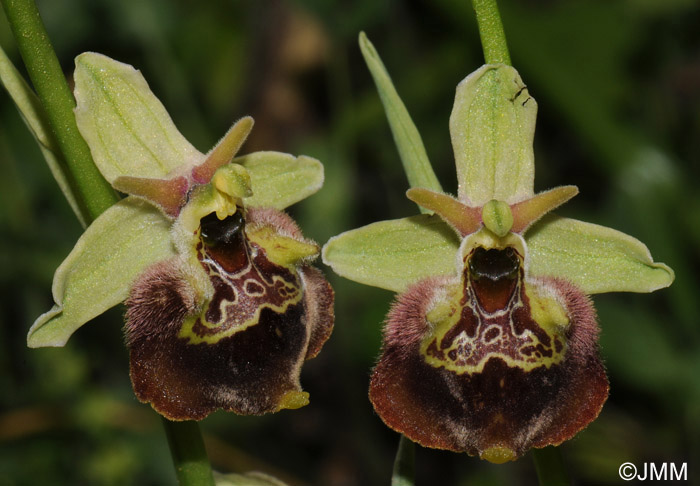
[
  {"x": 97, "y": 274},
  {"x": 168, "y": 194},
  {"x": 279, "y": 180},
  {"x": 128, "y": 130},
  {"x": 594, "y": 258},
  {"x": 223, "y": 152},
  {"x": 408, "y": 141},
  {"x": 394, "y": 254},
  {"x": 492, "y": 127},
  {"x": 527, "y": 212},
  {"x": 464, "y": 219}
]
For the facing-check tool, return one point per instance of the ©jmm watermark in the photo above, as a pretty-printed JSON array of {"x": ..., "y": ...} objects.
[{"x": 652, "y": 471}]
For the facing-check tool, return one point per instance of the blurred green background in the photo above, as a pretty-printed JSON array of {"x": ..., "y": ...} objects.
[{"x": 618, "y": 87}]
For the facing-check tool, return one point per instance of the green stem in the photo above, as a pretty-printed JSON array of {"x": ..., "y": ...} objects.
[
  {"x": 93, "y": 191},
  {"x": 550, "y": 467},
  {"x": 404, "y": 464},
  {"x": 189, "y": 455},
  {"x": 493, "y": 38}
]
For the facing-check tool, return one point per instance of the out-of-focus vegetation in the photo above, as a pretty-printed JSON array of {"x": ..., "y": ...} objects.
[{"x": 618, "y": 86}]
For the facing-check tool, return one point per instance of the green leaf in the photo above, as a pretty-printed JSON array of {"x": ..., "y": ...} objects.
[
  {"x": 35, "y": 118},
  {"x": 128, "y": 130},
  {"x": 595, "y": 258},
  {"x": 492, "y": 128},
  {"x": 279, "y": 180},
  {"x": 394, "y": 254},
  {"x": 98, "y": 272},
  {"x": 408, "y": 140}
]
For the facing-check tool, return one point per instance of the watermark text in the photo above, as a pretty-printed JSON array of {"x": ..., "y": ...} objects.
[{"x": 654, "y": 471}]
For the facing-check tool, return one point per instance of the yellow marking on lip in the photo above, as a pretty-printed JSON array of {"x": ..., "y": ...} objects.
[
  {"x": 187, "y": 329},
  {"x": 547, "y": 313}
]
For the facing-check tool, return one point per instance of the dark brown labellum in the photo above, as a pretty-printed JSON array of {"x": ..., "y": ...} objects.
[
  {"x": 492, "y": 363},
  {"x": 242, "y": 349}
]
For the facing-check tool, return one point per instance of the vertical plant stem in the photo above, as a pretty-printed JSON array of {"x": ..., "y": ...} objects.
[
  {"x": 493, "y": 38},
  {"x": 550, "y": 467},
  {"x": 404, "y": 464},
  {"x": 93, "y": 192},
  {"x": 189, "y": 455}
]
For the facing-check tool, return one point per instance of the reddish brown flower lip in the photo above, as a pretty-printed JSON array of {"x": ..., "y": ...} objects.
[
  {"x": 242, "y": 350},
  {"x": 482, "y": 365}
]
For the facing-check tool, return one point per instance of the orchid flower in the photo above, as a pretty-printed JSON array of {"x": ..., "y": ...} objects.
[
  {"x": 223, "y": 305},
  {"x": 491, "y": 345}
]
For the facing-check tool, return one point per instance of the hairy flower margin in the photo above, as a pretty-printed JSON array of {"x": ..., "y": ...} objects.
[
  {"x": 491, "y": 345},
  {"x": 223, "y": 306}
]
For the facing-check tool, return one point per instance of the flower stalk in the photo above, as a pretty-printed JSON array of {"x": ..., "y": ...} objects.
[
  {"x": 405, "y": 463},
  {"x": 188, "y": 453},
  {"x": 493, "y": 37},
  {"x": 550, "y": 467},
  {"x": 93, "y": 193}
]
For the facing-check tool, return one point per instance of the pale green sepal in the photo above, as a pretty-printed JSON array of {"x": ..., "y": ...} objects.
[
  {"x": 394, "y": 254},
  {"x": 34, "y": 117},
  {"x": 595, "y": 258},
  {"x": 492, "y": 127},
  {"x": 279, "y": 180},
  {"x": 98, "y": 272},
  {"x": 408, "y": 141},
  {"x": 127, "y": 128}
]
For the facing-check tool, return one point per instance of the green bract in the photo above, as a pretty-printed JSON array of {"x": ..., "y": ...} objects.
[
  {"x": 491, "y": 346},
  {"x": 35, "y": 118}
]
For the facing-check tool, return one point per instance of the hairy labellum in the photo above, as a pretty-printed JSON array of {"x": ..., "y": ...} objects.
[
  {"x": 241, "y": 349},
  {"x": 490, "y": 363}
]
